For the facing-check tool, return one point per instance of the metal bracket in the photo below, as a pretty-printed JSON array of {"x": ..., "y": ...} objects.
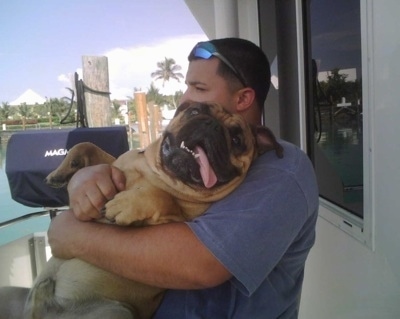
[{"x": 37, "y": 249}]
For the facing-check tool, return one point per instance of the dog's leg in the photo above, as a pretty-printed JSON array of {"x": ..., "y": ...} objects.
[
  {"x": 46, "y": 306},
  {"x": 12, "y": 301},
  {"x": 41, "y": 301}
]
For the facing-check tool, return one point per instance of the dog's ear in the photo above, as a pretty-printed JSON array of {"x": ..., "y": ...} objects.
[
  {"x": 182, "y": 107},
  {"x": 266, "y": 141}
]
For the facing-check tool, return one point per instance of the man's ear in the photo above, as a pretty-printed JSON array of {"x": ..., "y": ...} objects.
[{"x": 246, "y": 97}]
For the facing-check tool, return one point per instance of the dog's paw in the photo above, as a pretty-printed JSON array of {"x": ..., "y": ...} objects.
[
  {"x": 122, "y": 210},
  {"x": 142, "y": 205}
]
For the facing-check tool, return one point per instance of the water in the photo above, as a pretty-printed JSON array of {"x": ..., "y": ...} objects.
[
  {"x": 341, "y": 142},
  {"x": 10, "y": 209}
]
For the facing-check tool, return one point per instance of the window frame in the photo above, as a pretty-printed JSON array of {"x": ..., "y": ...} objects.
[
  {"x": 359, "y": 228},
  {"x": 295, "y": 37}
]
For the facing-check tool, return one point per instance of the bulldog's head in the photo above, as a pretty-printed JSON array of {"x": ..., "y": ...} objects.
[{"x": 206, "y": 146}]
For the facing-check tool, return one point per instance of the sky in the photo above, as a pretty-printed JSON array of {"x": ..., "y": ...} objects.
[
  {"x": 42, "y": 43},
  {"x": 336, "y": 36}
]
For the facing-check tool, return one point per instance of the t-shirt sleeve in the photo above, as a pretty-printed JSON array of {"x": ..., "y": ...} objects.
[{"x": 249, "y": 230}]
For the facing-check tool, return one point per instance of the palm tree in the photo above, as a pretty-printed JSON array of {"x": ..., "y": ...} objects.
[
  {"x": 57, "y": 107},
  {"x": 132, "y": 113},
  {"x": 336, "y": 86},
  {"x": 116, "y": 108},
  {"x": 154, "y": 95},
  {"x": 167, "y": 69},
  {"x": 24, "y": 111},
  {"x": 175, "y": 99},
  {"x": 4, "y": 111}
]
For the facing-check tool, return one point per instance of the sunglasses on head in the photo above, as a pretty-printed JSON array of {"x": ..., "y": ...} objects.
[{"x": 206, "y": 50}]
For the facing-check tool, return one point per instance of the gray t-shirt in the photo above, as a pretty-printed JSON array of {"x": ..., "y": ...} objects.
[{"x": 262, "y": 233}]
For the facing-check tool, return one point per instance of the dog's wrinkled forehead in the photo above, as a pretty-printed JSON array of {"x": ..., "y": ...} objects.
[
  {"x": 211, "y": 109},
  {"x": 205, "y": 106}
]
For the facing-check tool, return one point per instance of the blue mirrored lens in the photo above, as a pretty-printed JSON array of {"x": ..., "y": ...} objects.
[
  {"x": 206, "y": 50},
  {"x": 202, "y": 53}
]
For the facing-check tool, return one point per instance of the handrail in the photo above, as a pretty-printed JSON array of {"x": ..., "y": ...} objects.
[{"x": 51, "y": 212}]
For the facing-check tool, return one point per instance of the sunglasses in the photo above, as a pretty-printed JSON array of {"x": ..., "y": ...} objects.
[{"x": 206, "y": 50}]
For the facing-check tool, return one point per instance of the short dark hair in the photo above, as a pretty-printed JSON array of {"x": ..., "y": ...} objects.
[{"x": 249, "y": 60}]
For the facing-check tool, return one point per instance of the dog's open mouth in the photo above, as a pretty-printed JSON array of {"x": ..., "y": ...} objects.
[
  {"x": 206, "y": 171},
  {"x": 188, "y": 163}
]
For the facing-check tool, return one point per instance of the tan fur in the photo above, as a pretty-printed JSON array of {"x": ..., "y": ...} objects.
[{"x": 153, "y": 195}]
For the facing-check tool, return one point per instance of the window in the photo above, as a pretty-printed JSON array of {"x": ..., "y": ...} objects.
[
  {"x": 316, "y": 45},
  {"x": 336, "y": 98}
]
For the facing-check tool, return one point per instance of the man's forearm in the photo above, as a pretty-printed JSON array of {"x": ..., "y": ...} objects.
[{"x": 166, "y": 256}]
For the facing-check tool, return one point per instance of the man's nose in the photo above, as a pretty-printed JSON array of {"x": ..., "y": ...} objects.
[{"x": 184, "y": 98}]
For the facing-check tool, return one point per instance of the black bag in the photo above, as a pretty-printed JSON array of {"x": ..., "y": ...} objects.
[{"x": 32, "y": 155}]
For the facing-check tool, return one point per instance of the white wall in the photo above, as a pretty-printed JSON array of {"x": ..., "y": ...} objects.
[
  {"x": 226, "y": 18},
  {"x": 346, "y": 280}
]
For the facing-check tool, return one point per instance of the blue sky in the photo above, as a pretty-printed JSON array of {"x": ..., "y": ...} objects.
[{"x": 43, "y": 41}]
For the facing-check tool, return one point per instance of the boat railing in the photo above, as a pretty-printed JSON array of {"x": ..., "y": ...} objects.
[{"x": 24, "y": 248}]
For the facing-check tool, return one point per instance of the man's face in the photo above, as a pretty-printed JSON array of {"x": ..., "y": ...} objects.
[{"x": 205, "y": 85}]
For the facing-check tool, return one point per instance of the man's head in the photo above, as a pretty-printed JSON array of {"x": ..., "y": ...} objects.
[{"x": 231, "y": 71}]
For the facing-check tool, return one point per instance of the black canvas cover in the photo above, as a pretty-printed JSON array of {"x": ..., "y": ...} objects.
[{"x": 32, "y": 155}]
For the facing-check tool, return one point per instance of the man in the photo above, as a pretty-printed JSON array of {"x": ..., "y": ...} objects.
[{"x": 244, "y": 258}]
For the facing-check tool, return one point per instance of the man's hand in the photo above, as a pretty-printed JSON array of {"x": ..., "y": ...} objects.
[
  {"x": 91, "y": 187},
  {"x": 64, "y": 235}
]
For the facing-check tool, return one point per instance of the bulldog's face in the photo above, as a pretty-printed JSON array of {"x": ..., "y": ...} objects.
[{"x": 205, "y": 146}]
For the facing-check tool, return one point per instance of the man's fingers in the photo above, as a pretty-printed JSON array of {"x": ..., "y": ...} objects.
[
  {"x": 90, "y": 189},
  {"x": 88, "y": 207},
  {"x": 118, "y": 178}
]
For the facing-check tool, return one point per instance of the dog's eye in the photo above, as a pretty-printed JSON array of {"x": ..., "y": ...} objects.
[
  {"x": 236, "y": 141},
  {"x": 195, "y": 112},
  {"x": 74, "y": 163}
]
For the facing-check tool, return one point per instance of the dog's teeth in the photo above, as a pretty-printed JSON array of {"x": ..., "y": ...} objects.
[{"x": 183, "y": 146}]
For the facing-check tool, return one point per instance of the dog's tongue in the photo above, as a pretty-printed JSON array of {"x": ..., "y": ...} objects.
[{"x": 206, "y": 171}]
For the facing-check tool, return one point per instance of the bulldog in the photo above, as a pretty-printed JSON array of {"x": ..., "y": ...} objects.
[{"x": 202, "y": 156}]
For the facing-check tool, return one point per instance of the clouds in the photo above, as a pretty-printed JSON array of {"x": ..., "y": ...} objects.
[{"x": 131, "y": 67}]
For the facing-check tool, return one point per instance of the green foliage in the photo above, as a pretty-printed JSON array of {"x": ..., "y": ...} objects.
[
  {"x": 336, "y": 87},
  {"x": 5, "y": 111},
  {"x": 24, "y": 110},
  {"x": 57, "y": 107},
  {"x": 116, "y": 106},
  {"x": 154, "y": 95},
  {"x": 175, "y": 99},
  {"x": 132, "y": 109}
]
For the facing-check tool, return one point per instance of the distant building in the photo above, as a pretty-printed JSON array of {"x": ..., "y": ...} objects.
[{"x": 29, "y": 97}]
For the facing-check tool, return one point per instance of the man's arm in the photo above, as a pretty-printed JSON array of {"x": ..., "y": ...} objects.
[{"x": 167, "y": 256}]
